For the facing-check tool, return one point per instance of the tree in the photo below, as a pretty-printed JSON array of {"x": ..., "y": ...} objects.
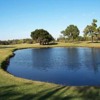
[
  {"x": 71, "y": 32},
  {"x": 41, "y": 36},
  {"x": 64, "y": 35},
  {"x": 63, "y": 32},
  {"x": 95, "y": 28},
  {"x": 98, "y": 32},
  {"x": 91, "y": 30}
]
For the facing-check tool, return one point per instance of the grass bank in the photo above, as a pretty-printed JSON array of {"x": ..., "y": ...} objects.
[{"x": 13, "y": 88}]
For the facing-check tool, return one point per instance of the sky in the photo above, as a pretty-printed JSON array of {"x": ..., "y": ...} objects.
[{"x": 18, "y": 18}]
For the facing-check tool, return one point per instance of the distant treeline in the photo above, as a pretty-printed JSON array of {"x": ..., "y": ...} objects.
[
  {"x": 91, "y": 32},
  {"x": 70, "y": 34},
  {"x": 16, "y": 41},
  {"x": 79, "y": 38}
]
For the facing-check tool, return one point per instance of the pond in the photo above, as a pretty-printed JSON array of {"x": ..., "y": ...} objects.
[{"x": 66, "y": 66}]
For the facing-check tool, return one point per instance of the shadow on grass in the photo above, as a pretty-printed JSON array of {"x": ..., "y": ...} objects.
[{"x": 37, "y": 92}]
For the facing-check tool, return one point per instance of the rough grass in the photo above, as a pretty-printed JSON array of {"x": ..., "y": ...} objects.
[{"x": 13, "y": 88}]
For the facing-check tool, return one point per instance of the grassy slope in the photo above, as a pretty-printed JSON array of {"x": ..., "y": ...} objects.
[{"x": 13, "y": 88}]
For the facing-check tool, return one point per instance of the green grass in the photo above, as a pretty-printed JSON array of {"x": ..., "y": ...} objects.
[{"x": 14, "y": 88}]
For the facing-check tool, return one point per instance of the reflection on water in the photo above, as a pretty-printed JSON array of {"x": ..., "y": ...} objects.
[{"x": 67, "y": 66}]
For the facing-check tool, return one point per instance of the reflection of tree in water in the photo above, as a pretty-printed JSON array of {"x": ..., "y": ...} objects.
[
  {"x": 94, "y": 59},
  {"x": 42, "y": 58},
  {"x": 73, "y": 60},
  {"x": 83, "y": 57},
  {"x": 90, "y": 59}
]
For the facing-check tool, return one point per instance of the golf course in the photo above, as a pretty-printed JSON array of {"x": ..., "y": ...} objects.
[{"x": 14, "y": 88}]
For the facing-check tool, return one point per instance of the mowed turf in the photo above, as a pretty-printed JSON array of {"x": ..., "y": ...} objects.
[{"x": 13, "y": 88}]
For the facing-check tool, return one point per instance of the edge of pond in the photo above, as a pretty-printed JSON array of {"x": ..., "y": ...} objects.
[{"x": 5, "y": 62}]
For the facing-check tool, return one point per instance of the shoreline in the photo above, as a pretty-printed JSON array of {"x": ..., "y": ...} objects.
[{"x": 5, "y": 63}]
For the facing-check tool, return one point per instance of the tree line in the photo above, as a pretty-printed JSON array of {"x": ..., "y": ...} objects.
[
  {"x": 91, "y": 32},
  {"x": 16, "y": 41},
  {"x": 71, "y": 33}
]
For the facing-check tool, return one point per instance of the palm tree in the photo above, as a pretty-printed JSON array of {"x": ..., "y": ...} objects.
[
  {"x": 91, "y": 30},
  {"x": 98, "y": 32}
]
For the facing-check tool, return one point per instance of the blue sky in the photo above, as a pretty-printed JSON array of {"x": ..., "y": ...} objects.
[{"x": 19, "y": 17}]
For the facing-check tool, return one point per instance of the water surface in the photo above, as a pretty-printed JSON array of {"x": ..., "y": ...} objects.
[{"x": 65, "y": 66}]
